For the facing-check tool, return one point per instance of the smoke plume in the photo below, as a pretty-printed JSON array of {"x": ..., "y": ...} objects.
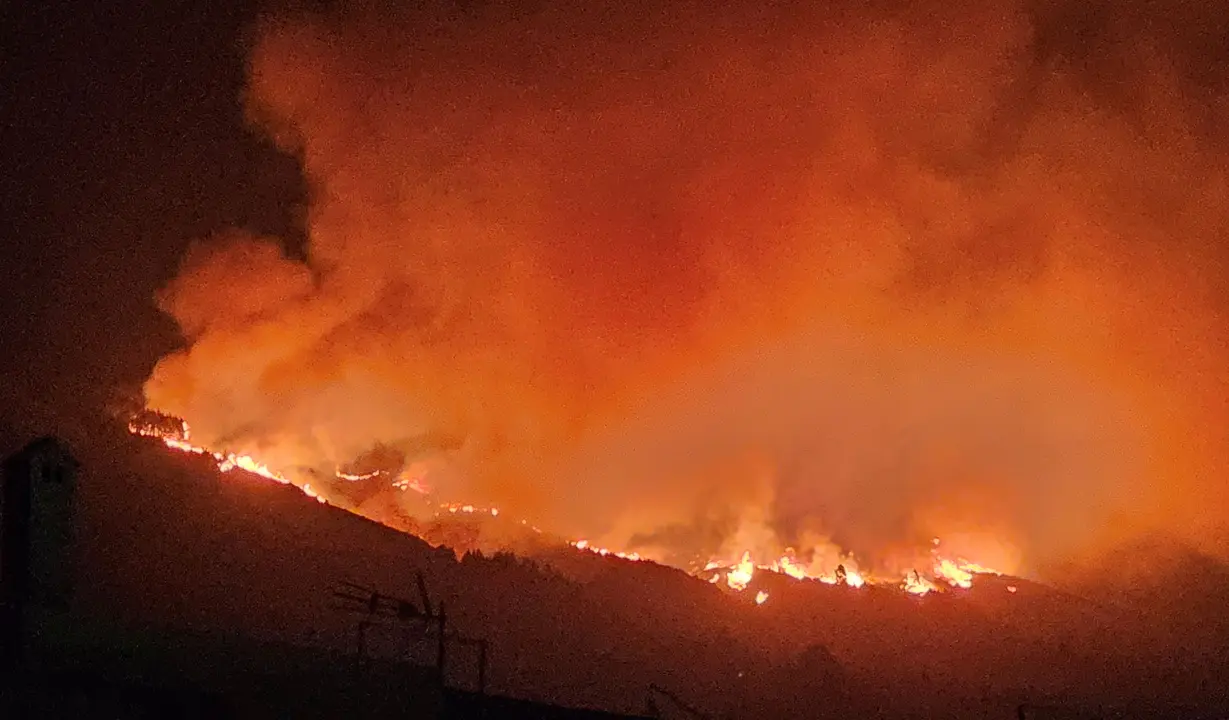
[{"x": 672, "y": 273}]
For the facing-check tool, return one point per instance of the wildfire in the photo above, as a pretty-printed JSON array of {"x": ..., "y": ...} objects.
[
  {"x": 737, "y": 575},
  {"x": 957, "y": 573},
  {"x": 226, "y": 461}
]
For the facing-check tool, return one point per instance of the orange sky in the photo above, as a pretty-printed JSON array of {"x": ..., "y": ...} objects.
[{"x": 946, "y": 270}]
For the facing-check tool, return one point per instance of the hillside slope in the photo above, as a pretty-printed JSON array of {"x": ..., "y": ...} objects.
[{"x": 168, "y": 541}]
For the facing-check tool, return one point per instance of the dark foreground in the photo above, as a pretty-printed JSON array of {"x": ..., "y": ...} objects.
[
  {"x": 201, "y": 594},
  {"x": 180, "y": 677}
]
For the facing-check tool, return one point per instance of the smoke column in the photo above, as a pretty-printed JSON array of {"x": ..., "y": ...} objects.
[{"x": 671, "y": 273}]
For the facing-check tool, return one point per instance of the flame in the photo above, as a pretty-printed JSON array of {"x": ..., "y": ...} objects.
[
  {"x": 955, "y": 572},
  {"x": 604, "y": 552},
  {"x": 976, "y": 569},
  {"x": 352, "y": 477},
  {"x": 225, "y": 461},
  {"x": 955, "y": 575},
  {"x": 845, "y": 573},
  {"x": 415, "y": 484},
  {"x": 740, "y": 575},
  {"x": 454, "y": 508},
  {"x": 854, "y": 579},
  {"x": 788, "y": 567},
  {"x": 917, "y": 585},
  {"x": 958, "y": 572}
]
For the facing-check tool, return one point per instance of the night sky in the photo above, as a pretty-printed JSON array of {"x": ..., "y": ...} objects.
[{"x": 123, "y": 140}]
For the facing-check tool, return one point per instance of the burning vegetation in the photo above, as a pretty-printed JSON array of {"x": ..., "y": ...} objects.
[
  {"x": 735, "y": 575},
  {"x": 791, "y": 288}
]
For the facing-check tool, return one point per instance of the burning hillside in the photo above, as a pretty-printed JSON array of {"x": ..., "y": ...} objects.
[
  {"x": 735, "y": 575},
  {"x": 791, "y": 287},
  {"x": 232, "y": 551}
]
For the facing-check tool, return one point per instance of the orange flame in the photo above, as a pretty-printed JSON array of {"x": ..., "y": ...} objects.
[
  {"x": 740, "y": 575},
  {"x": 226, "y": 461}
]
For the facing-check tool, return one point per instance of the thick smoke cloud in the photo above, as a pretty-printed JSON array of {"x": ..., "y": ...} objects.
[{"x": 674, "y": 275}]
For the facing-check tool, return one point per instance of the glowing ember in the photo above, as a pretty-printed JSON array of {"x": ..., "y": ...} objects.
[{"x": 760, "y": 597}]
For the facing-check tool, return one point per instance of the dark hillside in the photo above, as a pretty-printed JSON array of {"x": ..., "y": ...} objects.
[{"x": 231, "y": 557}]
